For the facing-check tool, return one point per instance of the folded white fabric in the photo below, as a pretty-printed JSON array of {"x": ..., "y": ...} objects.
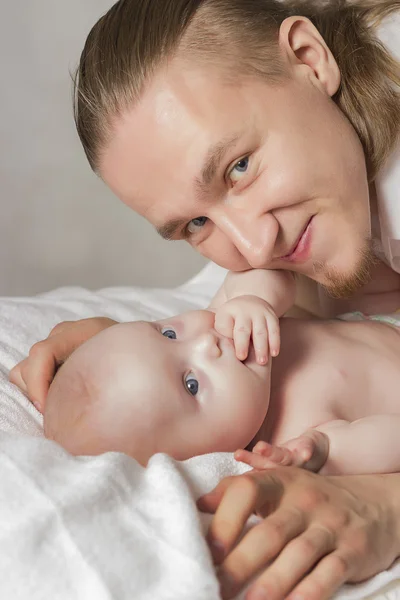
[
  {"x": 99, "y": 527},
  {"x": 104, "y": 527}
]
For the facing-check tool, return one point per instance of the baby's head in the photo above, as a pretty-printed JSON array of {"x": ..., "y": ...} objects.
[{"x": 172, "y": 386}]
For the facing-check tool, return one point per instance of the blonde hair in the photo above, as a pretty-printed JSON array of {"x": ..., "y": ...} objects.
[{"x": 136, "y": 37}]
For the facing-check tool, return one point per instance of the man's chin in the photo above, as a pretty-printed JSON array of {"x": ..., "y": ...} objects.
[
  {"x": 339, "y": 284},
  {"x": 341, "y": 287}
]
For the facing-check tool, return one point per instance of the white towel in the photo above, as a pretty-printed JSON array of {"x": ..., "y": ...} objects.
[{"x": 104, "y": 527}]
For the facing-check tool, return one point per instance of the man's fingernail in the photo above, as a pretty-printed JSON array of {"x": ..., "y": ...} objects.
[{"x": 217, "y": 551}]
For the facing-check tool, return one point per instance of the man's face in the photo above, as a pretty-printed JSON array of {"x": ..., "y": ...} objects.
[{"x": 251, "y": 175}]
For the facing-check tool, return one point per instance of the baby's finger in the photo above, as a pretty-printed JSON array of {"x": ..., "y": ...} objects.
[
  {"x": 260, "y": 336},
  {"x": 274, "y": 336},
  {"x": 224, "y": 323},
  {"x": 310, "y": 450},
  {"x": 302, "y": 449},
  {"x": 256, "y": 461},
  {"x": 262, "y": 448},
  {"x": 277, "y": 456},
  {"x": 280, "y": 455},
  {"x": 241, "y": 337}
]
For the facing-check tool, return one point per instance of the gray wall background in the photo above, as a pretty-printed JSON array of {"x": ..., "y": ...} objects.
[{"x": 59, "y": 225}]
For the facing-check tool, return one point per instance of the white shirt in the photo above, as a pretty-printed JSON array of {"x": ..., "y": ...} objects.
[{"x": 388, "y": 180}]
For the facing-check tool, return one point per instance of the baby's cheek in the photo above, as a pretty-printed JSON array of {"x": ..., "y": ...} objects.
[{"x": 247, "y": 411}]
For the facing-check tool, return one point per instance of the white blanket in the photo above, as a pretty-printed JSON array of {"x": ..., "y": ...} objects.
[{"x": 104, "y": 527}]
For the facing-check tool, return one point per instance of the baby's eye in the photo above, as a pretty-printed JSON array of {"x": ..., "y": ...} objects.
[
  {"x": 238, "y": 170},
  {"x": 196, "y": 224},
  {"x": 191, "y": 384},
  {"x": 169, "y": 333}
]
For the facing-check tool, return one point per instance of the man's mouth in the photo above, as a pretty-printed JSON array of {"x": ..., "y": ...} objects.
[{"x": 301, "y": 248}]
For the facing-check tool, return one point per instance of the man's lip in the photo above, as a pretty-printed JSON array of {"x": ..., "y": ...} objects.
[{"x": 299, "y": 239}]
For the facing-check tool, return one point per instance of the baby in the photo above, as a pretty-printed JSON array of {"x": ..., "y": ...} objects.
[{"x": 201, "y": 382}]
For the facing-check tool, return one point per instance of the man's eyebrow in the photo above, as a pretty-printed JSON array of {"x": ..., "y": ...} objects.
[
  {"x": 214, "y": 157},
  {"x": 169, "y": 229}
]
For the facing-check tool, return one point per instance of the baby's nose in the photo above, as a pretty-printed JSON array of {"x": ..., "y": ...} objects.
[{"x": 208, "y": 344}]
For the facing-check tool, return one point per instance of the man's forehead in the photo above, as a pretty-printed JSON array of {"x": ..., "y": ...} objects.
[
  {"x": 167, "y": 144},
  {"x": 148, "y": 153}
]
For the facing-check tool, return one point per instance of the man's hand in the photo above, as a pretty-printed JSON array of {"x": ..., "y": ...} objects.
[
  {"x": 34, "y": 374},
  {"x": 249, "y": 318},
  {"x": 317, "y": 532}
]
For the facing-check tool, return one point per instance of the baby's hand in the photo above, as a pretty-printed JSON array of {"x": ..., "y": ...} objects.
[
  {"x": 248, "y": 318},
  {"x": 308, "y": 451}
]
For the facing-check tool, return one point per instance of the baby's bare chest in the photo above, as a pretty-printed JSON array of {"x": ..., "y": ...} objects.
[{"x": 336, "y": 381}]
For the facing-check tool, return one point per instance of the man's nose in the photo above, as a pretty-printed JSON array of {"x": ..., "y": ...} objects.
[
  {"x": 207, "y": 345},
  {"x": 254, "y": 235}
]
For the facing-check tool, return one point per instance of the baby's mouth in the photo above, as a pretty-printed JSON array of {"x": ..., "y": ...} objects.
[{"x": 251, "y": 358}]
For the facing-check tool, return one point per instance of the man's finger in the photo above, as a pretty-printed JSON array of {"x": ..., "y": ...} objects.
[
  {"x": 260, "y": 546},
  {"x": 40, "y": 372},
  {"x": 247, "y": 494},
  {"x": 323, "y": 581},
  {"x": 236, "y": 506},
  {"x": 61, "y": 328},
  {"x": 210, "y": 501},
  {"x": 15, "y": 376},
  {"x": 294, "y": 561},
  {"x": 44, "y": 359}
]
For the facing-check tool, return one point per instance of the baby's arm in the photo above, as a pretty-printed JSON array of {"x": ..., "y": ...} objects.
[
  {"x": 368, "y": 445},
  {"x": 248, "y": 307},
  {"x": 277, "y": 288}
]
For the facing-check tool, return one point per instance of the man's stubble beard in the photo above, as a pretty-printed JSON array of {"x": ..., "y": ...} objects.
[{"x": 339, "y": 285}]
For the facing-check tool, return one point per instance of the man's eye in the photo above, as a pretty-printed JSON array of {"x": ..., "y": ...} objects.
[
  {"x": 168, "y": 333},
  {"x": 191, "y": 384},
  {"x": 238, "y": 170},
  {"x": 196, "y": 224}
]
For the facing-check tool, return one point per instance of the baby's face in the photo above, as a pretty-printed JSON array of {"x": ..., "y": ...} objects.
[{"x": 172, "y": 386}]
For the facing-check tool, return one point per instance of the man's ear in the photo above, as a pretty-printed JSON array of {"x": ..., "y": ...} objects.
[{"x": 304, "y": 46}]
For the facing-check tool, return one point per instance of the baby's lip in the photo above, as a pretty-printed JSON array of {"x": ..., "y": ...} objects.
[{"x": 226, "y": 345}]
